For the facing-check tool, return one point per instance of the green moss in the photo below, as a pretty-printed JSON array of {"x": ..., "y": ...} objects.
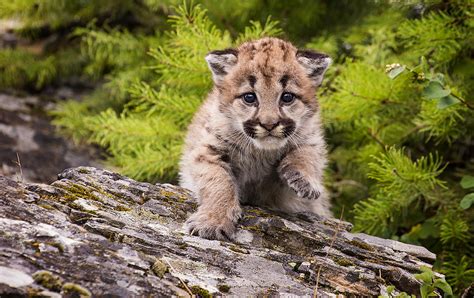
[
  {"x": 89, "y": 192},
  {"x": 361, "y": 244},
  {"x": 48, "y": 280},
  {"x": 343, "y": 262},
  {"x": 31, "y": 292},
  {"x": 248, "y": 217},
  {"x": 145, "y": 214},
  {"x": 36, "y": 246},
  {"x": 200, "y": 292},
  {"x": 76, "y": 191},
  {"x": 238, "y": 249},
  {"x": 83, "y": 171},
  {"x": 253, "y": 228},
  {"x": 121, "y": 208},
  {"x": 49, "y": 197},
  {"x": 167, "y": 194},
  {"x": 183, "y": 245},
  {"x": 159, "y": 268},
  {"x": 70, "y": 288},
  {"x": 223, "y": 288},
  {"x": 58, "y": 245},
  {"x": 113, "y": 194},
  {"x": 259, "y": 213},
  {"x": 171, "y": 195}
]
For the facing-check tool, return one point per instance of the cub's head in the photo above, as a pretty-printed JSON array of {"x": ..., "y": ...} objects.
[{"x": 266, "y": 88}]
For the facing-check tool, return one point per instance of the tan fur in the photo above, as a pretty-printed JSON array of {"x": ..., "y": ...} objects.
[{"x": 231, "y": 158}]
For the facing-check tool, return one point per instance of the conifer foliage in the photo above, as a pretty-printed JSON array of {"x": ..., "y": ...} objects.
[
  {"x": 400, "y": 118},
  {"x": 397, "y": 104}
]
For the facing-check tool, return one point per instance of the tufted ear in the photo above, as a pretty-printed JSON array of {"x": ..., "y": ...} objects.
[
  {"x": 314, "y": 63},
  {"x": 220, "y": 63}
]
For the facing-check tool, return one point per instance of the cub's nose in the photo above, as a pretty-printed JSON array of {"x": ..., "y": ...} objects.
[{"x": 269, "y": 126}]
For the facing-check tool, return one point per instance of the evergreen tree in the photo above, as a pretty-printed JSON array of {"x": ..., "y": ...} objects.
[
  {"x": 49, "y": 51},
  {"x": 401, "y": 125}
]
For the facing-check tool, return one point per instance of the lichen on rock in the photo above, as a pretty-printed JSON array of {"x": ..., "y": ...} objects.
[{"x": 94, "y": 232}]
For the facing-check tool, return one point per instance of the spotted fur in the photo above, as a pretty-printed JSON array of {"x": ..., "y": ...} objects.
[{"x": 268, "y": 152}]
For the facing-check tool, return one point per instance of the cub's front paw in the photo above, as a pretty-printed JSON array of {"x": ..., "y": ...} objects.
[
  {"x": 301, "y": 185},
  {"x": 210, "y": 226}
]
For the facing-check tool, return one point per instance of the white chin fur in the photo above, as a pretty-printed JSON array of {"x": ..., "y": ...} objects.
[{"x": 269, "y": 143}]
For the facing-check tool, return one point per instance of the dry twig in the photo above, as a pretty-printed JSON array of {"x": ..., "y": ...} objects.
[
  {"x": 182, "y": 281},
  {"x": 18, "y": 163}
]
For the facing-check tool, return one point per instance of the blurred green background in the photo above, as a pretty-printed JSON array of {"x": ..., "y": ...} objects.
[{"x": 397, "y": 103}]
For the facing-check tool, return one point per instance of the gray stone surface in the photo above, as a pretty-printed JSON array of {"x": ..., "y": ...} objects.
[
  {"x": 94, "y": 232},
  {"x": 25, "y": 130}
]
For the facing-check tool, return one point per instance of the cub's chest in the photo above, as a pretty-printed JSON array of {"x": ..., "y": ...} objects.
[{"x": 255, "y": 166}]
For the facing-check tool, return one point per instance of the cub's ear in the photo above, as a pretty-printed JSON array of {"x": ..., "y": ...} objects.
[
  {"x": 220, "y": 63},
  {"x": 314, "y": 63}
]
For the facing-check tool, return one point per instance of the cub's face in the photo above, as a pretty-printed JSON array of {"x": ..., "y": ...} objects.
[{"x": 267, "y": 90}]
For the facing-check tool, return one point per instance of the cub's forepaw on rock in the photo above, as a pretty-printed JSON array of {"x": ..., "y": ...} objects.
[
  {"x": 210, "y": 226},
  {"x": 301, "y": 185}
]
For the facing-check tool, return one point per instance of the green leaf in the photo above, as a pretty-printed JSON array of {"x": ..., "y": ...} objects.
[
  {"x": 396, "y": 72},
  {"x": 443, "y": 285},
  {"x": 435, "y": 90},
  {"x": 467, "y": 201},
  {"x": 390, "y": 289},
  {"x": 425, "y": 277},
  {"x": 447, "y": 101},
  {"x": 426, "y": 290},
  {"x": 467, "y": 182}
]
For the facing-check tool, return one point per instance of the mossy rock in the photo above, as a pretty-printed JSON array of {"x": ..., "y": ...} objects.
[
  {"x": 72, "y": 289},
  {"x": 48, "y": 280},
  {"x": 200, "y": 292}
]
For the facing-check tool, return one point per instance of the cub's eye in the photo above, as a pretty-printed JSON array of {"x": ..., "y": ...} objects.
[
  {"x": 250, "y": 98},
  {"x": 287, "y": 97}
]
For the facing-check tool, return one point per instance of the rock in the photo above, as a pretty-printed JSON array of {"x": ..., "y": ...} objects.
[
  {"x": 27, "y": 135},
  {"x": 95, "y": 232},
  {"x": 305, "y": 267}
]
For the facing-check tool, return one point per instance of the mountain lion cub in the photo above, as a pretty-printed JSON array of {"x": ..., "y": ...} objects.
[{"x": 257, "y": 139}]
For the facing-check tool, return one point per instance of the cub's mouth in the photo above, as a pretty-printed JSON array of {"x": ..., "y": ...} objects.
[{"x": 269, "y": 135}]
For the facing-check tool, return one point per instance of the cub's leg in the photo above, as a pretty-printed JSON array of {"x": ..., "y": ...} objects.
[
  {"x": 213, "y": 183},
  {"x": 302, "y": 169}
]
